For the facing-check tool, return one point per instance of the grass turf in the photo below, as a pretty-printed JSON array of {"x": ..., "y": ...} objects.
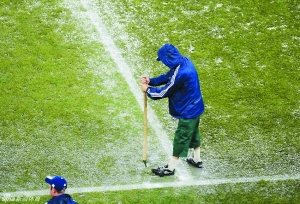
[{"x": 63, "y": 112}]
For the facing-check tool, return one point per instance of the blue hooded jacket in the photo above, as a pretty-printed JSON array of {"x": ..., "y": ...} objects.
[{"x": 180, "y": 84}]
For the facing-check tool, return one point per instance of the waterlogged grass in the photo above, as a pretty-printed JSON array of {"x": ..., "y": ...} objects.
[
  {"x": 260, "y": 192},
  {"x": 246, "y": 55},
  {"x": 66, "y": 109}
]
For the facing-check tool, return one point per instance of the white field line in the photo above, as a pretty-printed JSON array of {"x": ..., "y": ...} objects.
[
  {"x": 182, "y": 172},
  {"x": 208, "y": 182}
]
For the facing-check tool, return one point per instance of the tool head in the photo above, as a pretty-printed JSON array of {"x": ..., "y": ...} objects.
[{"x": 145, "y": 162}]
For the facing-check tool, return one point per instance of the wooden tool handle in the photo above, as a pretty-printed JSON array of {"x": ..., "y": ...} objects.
[{"x": 145, "y": 129}]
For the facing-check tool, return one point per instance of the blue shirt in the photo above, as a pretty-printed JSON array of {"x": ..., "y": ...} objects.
[{"x": 61, "y": 199}]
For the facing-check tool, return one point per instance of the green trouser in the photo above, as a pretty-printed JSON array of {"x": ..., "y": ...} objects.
[{"x": 187, "y": 136}]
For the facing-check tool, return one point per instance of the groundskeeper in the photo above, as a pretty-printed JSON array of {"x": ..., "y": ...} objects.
[
  {"x": 180, "y": 84},
  {"x": 58, "y": 185}
]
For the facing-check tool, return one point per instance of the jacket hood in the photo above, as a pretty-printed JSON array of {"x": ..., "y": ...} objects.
[{"x": 169, "y": 55}]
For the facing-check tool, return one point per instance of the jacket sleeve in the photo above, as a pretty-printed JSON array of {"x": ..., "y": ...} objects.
[
  {"x": 172, "y": 83},
  {"x": 160, "y": 80}
]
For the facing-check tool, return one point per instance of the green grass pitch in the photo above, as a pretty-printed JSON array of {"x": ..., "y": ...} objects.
[{"x": 66, "y": 107}]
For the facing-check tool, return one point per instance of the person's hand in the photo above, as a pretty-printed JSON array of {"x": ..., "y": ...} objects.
[
  {"x": 144, "y": 87},
  {"x": 145, "y": 80}
]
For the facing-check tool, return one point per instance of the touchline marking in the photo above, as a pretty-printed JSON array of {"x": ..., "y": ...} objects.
[
  {"x": 181, "y": 171},
  {"x": 207, "y": 182}
]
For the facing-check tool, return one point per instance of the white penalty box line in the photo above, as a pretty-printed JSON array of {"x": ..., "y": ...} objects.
[{"x": 207, "y": 182}]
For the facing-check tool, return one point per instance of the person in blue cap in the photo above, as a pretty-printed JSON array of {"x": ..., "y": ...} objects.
[
  {"x": 181, "y": 85},
  {"x": 58, "y": 185}
]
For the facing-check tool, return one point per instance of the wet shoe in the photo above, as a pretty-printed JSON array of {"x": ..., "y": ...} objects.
[
  {"x": 196, "y": 164},
  {"x": 163, "y": 171}
]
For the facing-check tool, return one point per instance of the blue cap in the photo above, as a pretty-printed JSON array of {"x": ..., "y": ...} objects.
[{"x": 57, "y": 182}]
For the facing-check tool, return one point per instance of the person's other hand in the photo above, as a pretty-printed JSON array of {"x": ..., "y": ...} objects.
[{"x": 145, "y": 80}]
